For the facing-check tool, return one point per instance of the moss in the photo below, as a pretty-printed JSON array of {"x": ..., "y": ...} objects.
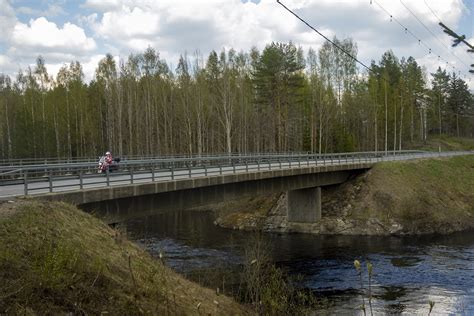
[{"x": 56, "y": 259}]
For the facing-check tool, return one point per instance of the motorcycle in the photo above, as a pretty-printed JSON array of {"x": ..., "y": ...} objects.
[{"x": 103, "y": 166}]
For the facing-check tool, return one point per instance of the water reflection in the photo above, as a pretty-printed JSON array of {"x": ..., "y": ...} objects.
[{"x": 408, "y": 272}]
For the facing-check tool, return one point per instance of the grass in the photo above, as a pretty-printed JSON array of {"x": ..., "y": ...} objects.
[
  {"x": 55, "y": 259},
  {"x": 445, "y": 143},
  {"x": 429, "y": 195},
  {"x": 406, "y": 197}
]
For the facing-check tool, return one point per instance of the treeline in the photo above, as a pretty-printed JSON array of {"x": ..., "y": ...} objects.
[{"x": 275, "y": 100}]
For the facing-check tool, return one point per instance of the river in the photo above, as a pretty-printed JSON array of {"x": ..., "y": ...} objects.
[{"x": 408, "y": 272}]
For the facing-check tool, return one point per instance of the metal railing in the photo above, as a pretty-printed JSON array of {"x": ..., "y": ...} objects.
[
  {"x": 56, "y": 160},
  {"x": 28, "y": 180}
]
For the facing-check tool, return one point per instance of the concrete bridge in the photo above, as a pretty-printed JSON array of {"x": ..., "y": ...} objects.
[{"x": 195, "y": 181}]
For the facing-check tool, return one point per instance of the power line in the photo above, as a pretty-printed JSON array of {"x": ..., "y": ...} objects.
[
  {"x": 408, "y": 31},
  {"x": 434, "y": 35},
  {"x": 324, "y": 36},
  {"x": 432, "y": 11},
  {"x": 346, "y": 52},
  {"x": 444, "y": 26}
]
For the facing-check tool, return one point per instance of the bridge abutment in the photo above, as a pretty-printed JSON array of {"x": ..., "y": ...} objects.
[{"x": 304, "y": 205}]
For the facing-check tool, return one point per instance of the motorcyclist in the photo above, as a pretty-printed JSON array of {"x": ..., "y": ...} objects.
[
  {"x": 108, "y": 158},
  {"x": 105, "y": 161}
]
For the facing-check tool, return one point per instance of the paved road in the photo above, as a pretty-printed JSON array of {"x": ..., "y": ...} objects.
[{"x": 66, "y": 183}]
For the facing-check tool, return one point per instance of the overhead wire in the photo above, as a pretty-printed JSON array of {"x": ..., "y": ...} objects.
[
  {"x": 408, "y": 31},
  {"x": 346, "y": 52},
  {"x": 434, "y": 35},
  {"x": 420, "y": 42},
  {"x": 432, "y": 11},
  {"x": 324, "y": 36},
  {"x": 439, "y": 20}
]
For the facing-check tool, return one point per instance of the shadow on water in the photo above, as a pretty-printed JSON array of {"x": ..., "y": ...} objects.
[
  {"x": 405, "y": 261},
  {"x": 408, "y": 271}
]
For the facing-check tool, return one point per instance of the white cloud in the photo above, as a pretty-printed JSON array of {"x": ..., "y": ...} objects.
[
  {"x": 7, "y": 20},
  {"x": 41, "y": 33},
  {"x": 128, "y": 23},
  {"x": 175, "y": 26},
  {"x": 4, "y": 61},
  {"x": 102, "y": 5},
  {"x": 52, "y": 11}
]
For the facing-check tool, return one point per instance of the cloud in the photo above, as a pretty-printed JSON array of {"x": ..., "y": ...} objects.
[
  {"x": 128, "y": 23},
  {"x": 52, "y": 11},
  {"x": 7, "y": 20},
  {"x": 42, "y": 34},
  {"x": 175, "y": 26},
  {"x": 102, "y": 5}
]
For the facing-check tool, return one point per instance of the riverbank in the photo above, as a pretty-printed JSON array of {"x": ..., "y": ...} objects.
[
  {"x": 56, "y": 259},
  {"x": 394, "y": 198}
]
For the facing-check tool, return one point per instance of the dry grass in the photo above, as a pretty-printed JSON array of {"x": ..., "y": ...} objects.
[
  {"x": 425, "y": 196},
  {"x": 246, "y": 213},
  {"x": 57, "y": 259},
  {"x": 445, "y": 143},
  {"x": 409, "y": 197}
]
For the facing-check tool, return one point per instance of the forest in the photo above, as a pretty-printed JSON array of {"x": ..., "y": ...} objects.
[{"x": 280, "y": 99}]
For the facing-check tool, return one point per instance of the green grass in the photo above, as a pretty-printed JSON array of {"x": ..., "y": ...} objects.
[
  {"x": 445, "y": 143},
  {"x": 429, "y": 195},
  {"x": 55, "y": 259}
]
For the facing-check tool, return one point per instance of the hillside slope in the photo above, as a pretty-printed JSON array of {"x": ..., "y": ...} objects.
[{"x": 56, "y": 259}]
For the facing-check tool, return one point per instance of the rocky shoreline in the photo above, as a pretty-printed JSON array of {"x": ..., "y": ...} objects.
[{"x": 408, "y": 198}]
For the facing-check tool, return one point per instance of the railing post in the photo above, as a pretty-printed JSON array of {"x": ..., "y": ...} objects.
[
  {"x": 189, "y": 169},
  {"x": 246, "y": 166},
  {"x": 233, "y": 165},
  {"x": 107, "y": 175},
  {"x": 172, "y": 172},
  {"x": 152, "y": 174},
  {"x": 50, "y": 179},
  {"x": 205, "y": 170},
  {"x": 307, "y": 160},
  {"x": 220, "y": 169},
  {"x": 81, "y": 184},
  {"x": 25, "y": 181}
]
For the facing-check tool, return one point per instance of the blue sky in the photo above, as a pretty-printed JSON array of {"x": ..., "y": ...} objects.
[{"x": 85, "y": 30}]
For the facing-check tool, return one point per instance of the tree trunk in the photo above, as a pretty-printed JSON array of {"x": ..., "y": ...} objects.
[
  {"x": 401, "y": 125},
  {"x": 412, "y": 124},
  {"x": 68, "y": 125},
  {"x": 439, "y": 113},
  {"x": 457, "y": 124},
  {"x": 386, "y": 119},
  {"x": 394, "y": 125},
  {"x": 9, "y": 138}
]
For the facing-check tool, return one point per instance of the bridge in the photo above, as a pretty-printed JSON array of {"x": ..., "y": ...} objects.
[{"x": 182, "y": 182}]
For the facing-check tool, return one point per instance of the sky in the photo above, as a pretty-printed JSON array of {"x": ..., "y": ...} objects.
[{"x": 85, "y": 30}]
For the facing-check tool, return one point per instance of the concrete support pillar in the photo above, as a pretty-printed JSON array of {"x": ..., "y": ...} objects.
[{"x": 304, "y": 205}]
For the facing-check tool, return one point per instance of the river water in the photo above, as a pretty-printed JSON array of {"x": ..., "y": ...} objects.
[{"x": 408, "y": 272}]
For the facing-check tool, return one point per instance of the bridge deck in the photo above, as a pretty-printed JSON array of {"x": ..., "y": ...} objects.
[{"x": 80, "y": 180}]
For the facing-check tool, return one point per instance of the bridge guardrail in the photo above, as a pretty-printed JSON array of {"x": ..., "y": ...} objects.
[
  {"x": 61, "y": 160},
  {"x": 55, "y": 178}
]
